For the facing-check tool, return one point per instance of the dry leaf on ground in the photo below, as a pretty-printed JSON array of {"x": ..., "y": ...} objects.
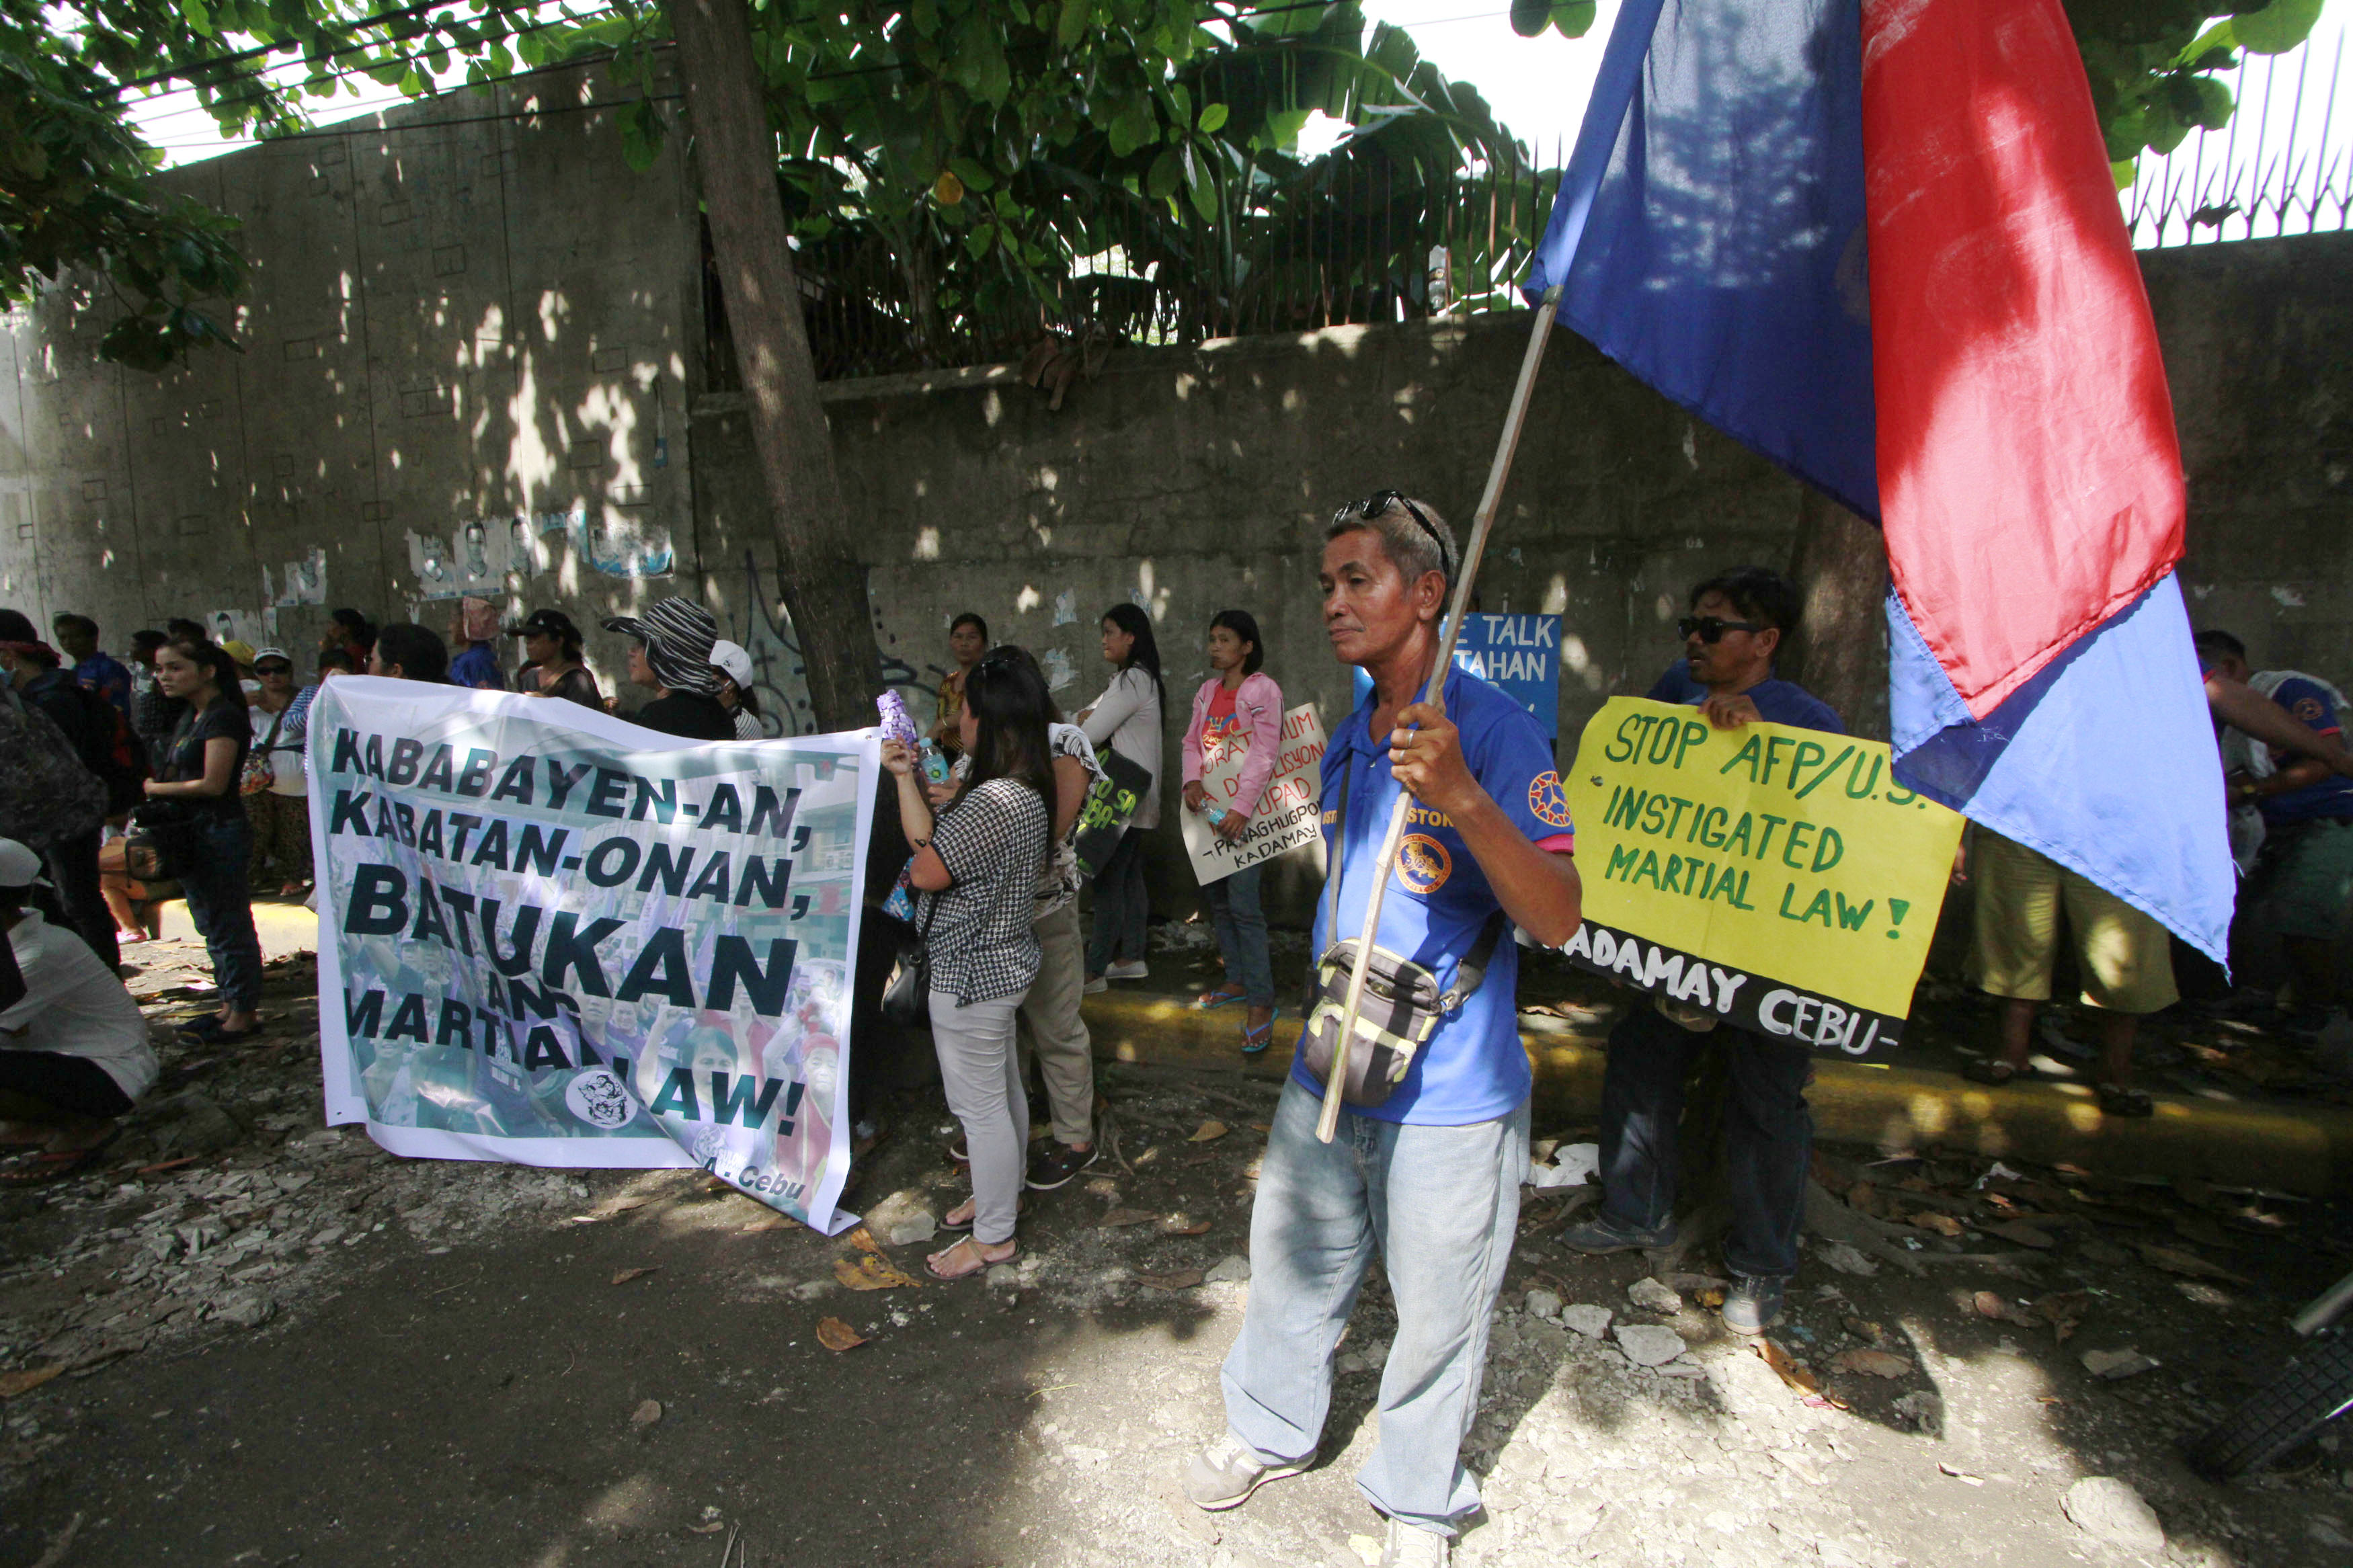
[
  {"x": 2174, "y": 1260},
  {"x": 1181, "y": 1279},
  {"x": 1791, "y": 1373},
  {"x": 1942, "y": 1224},
  {"x": 1993, "y": 1304},
  {"x": 835, "y": 1335},
  {"x": 870, "y": 1272},
  {"x": 13, "y": 1383},
  {"x": 863, "y": 1239},
  {"x": 1183, "y": 1225},
  {"x": 2064, "y": 1310},
  {"x": 647, "y": 1413},
  {"x": 2021, "y": 1232},
  {"x": 1208, "y": 1132},
  {"x": 1119, "y": 1218},
  {"x": 1878, "y": 1363},
  {"x": 625, "y": 1275}
]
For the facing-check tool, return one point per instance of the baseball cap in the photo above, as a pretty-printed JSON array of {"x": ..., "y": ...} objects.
[
  {"x": 19, "y": 867},
  {"x": 678, "y": 634},
  {"x": 273, "y": 653},
  {"x": 732, "y": 657},
  {"x": 545, "y": 622}
]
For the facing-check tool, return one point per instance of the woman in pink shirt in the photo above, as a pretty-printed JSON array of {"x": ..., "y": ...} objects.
[{"x": 1236, "y": 708}]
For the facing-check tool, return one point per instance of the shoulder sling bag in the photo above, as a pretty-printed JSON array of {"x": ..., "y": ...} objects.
[{"x": 1402, "y": 1002}]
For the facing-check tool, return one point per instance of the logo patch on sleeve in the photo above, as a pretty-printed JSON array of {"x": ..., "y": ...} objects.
[
  {"x": 1546, "y": 801},
  {"x": 1423, "y": 864},
  {"x": 2309, "y": 710}
]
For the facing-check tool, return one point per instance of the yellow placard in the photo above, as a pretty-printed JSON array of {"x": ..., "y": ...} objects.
[{"x": 1798, "y": 883}]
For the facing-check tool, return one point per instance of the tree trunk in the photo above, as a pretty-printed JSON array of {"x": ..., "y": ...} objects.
[
  {"x": 735, "y": 157},
  {"x": 1840, "y": 654}
]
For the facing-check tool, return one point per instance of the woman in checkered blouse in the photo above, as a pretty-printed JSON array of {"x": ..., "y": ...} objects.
[{"x": 976, "y": 870}]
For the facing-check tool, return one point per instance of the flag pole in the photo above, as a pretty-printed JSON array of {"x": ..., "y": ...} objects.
[{"x": 1466, "y": 575}]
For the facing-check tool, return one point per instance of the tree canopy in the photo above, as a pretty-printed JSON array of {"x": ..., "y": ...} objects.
[{"x": 987, "y": 155}]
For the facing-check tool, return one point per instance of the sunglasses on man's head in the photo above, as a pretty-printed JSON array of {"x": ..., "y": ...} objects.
[
  {"x": 1711, "y": 629},
  {"x": 1373, "y": 506}
]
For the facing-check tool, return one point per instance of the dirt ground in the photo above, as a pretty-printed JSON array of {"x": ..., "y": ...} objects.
[{"x": 288, "y": 1346}]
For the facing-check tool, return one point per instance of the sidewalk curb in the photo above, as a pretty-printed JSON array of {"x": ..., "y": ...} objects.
[{"x": 2305, "y": 1150}]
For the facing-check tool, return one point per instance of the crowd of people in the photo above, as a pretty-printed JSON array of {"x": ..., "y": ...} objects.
[
  {"x": 979, "y": 857},
  {"x": 180, "y": 771}
]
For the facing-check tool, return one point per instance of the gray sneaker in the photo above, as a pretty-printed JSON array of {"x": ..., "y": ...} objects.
[
  {"x": 1752, "y": 1304},
  {"x": 1224, "y": 1474},
  {"x": 1602, "y": 1236},
  {"x": 1409, "y": 1547}
]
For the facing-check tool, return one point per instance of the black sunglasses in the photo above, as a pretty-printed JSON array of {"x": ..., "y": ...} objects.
[
  {"x": 1373, "y": 506},
  {"x": 1712, "y": 630}
]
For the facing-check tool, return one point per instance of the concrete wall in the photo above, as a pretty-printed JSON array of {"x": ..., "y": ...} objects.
[
  {"x": 462, "y": 312},
  {"x": 457, "y": 318}
]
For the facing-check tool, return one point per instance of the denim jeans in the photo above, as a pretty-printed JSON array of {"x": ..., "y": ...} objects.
[
  {"x": 1241, "y": 934},
  {"x": 1768, "y": 1135},
  {"x": 212, "y": 878},
  {"x": 1442, "y": 1204},
  {"x": 1123, "y": 908}
]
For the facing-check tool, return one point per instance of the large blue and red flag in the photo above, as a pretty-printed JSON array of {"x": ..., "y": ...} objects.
[{"x": 1878, "y": 241}]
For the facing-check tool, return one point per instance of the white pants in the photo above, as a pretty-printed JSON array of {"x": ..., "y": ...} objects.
[{"x": 982, "y": 1078}]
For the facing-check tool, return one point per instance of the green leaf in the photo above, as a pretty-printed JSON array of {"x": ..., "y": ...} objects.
[
  {"x": 1530, "y": 17},
  {"x": 2124, "y": 170},
  {"x": 974, "y": 177},
  {"x": 641, "y": 136},
  {"x": 1072, "y": 25},
  {"x": 1213, "y": 118},
  {"x": 1167, "y": 172},
  {"x": 2277, "y": 28},
  {"x": 1573, "y": 18}
]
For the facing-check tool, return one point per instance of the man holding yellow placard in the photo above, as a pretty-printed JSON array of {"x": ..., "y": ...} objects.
[{"x": 1738, "y": 623}]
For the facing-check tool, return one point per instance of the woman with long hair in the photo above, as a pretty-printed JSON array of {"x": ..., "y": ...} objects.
[
  {"x": 975, "y": 869},
  {"x": 1126, "y": 718},
  {"x": 1237, "y": 709},
  {"x": 212, "y": 839}
]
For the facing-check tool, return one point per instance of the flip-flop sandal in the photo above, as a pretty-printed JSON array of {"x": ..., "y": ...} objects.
[
  {"x": 1994, "y": 1072},
  {"x": 2119, "y": 1101},
  {"x": 1210, "y": 1000},
  {"x": 931, "y": 1268},
  {"x": 53, "y": 1165},
  {"x": 1255, "y": 1040}
]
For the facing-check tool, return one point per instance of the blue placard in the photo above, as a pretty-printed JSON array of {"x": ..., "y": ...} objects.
[{"x": 1520, "y": 654}]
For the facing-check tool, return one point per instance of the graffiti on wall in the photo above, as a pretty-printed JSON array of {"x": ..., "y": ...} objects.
[{"x": 780, "y": 677}]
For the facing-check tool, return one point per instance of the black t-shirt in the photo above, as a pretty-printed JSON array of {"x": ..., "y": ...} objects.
[
  {"x": 576, "y": 685},
  {"x": 689, "y": 714},
  {"x": 183, "y": 762}
]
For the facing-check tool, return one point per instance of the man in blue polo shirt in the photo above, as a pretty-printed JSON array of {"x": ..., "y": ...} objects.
[
  {"x": 1429, "y": 1171},
  {"x": 1736, "y": 625},
  {"x": 2304, "y": 873}
]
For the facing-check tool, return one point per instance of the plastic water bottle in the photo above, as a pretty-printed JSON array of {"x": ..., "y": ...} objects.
[
  {"x": 936, "y": 766},
  {"x": 1216, "y": 814}
]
